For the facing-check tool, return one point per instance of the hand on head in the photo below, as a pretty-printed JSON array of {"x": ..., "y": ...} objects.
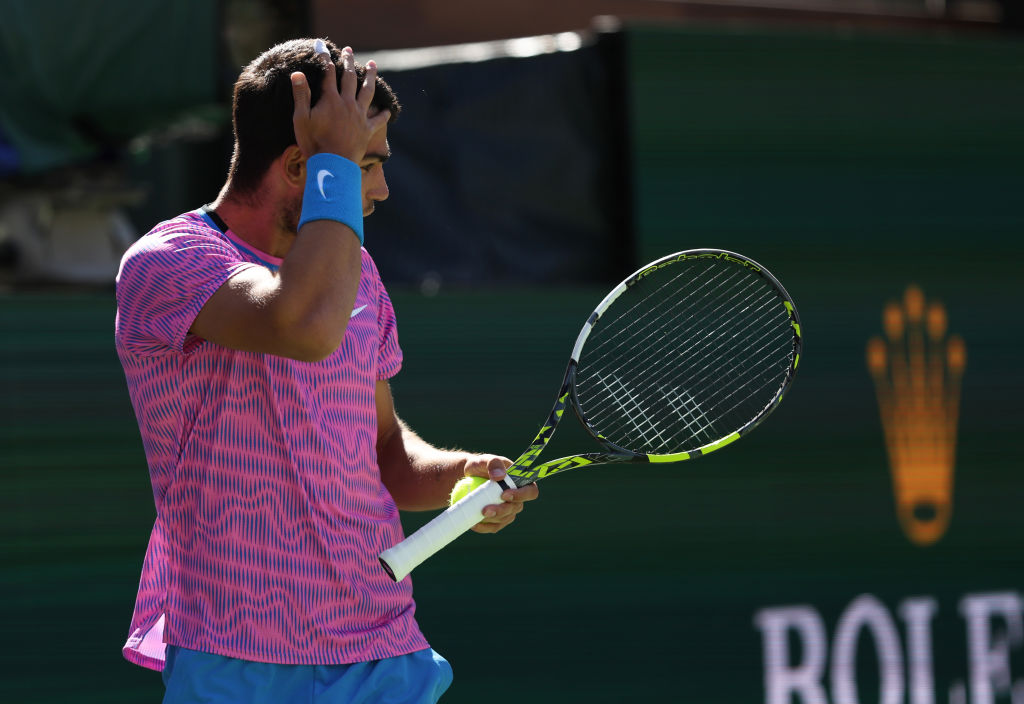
[{"x": 339, "y": 123}]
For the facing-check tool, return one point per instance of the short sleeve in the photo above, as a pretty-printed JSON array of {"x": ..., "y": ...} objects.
[
  {"x": 389, "y": 354},
  {"x": 164, "y": 281}
]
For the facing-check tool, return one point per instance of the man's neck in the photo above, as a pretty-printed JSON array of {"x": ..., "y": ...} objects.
[{"x": 254, "y": 219}]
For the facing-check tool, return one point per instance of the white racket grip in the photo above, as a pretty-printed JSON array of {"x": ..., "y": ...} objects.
[{"x": 403, "y": 558}]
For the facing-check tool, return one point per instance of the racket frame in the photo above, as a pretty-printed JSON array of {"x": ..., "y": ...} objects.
[{"x": 524, "y": 472}]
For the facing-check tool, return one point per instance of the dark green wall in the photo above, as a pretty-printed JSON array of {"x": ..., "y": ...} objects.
[{"x": 852, "y": 165}]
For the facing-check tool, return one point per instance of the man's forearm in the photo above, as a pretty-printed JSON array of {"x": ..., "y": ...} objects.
[
  {"x": 321, "y": 276},
  {"x": 418, "y": 475}
]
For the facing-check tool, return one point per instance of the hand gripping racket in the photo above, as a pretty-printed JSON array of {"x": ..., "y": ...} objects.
[{"x": 684, "y": 357}]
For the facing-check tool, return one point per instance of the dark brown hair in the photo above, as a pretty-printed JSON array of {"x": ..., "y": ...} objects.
[{"x": 263, "y": 106}]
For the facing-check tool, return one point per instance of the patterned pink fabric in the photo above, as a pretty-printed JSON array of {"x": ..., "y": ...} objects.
[{"x": 270, "y": 506}]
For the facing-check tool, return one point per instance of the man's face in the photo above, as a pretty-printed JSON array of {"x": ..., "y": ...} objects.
[{"x": 375, "y": 187}]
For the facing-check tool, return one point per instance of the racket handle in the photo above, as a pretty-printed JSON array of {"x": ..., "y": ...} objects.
[{"x": 400, "y": 560}]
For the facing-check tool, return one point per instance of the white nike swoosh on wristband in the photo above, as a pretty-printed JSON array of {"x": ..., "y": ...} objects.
[
  {"x": 356, "y": 311},
  {"x": 320, "y": 176}
]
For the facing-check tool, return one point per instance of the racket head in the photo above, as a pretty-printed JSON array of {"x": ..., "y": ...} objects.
[{"x": 685, "y": 356}]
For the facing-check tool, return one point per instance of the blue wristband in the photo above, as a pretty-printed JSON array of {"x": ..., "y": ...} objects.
[{"x": 334, "y": 191}]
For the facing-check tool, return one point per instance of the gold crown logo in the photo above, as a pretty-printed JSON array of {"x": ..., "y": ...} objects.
[{"x": 917, "y": 372}]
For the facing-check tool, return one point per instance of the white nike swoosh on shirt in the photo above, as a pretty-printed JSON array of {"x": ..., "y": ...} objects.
[
  {"x": 356, "y": 311},
  {"x": 320, "y": 176}
]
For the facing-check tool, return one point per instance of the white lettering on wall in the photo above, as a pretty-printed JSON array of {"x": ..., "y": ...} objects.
[
  {"x": 783, "y": 678},
  {"x": 917, "y": 613},
  {"x": 867, "y": 613},
  {"x": 798, "y": 660},
  {"x": 988, "y": 654}
]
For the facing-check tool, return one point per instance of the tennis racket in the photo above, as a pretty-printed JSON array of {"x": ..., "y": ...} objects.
[{"x": 687, "y": 355}]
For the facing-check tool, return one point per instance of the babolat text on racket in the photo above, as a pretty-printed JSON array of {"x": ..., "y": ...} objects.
[{"x": 684, "y": 357}]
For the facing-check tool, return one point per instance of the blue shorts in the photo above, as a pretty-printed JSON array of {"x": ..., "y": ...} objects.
[{"x": 193, "y": 677}]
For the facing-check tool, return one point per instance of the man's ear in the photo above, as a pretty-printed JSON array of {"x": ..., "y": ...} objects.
[{"x": 292, "y": 167}]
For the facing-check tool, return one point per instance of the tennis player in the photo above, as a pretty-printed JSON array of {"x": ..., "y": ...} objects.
[{"x": 257, "y": 341}]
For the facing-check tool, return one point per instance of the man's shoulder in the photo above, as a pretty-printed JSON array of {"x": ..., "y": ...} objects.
[
  {"x": 187, "y": 235},
  {"x": 170, "y": 232}
]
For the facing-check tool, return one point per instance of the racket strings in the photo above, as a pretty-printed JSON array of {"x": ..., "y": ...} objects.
[
  {"x": 628, "y": 350},
  {"x": 670, "y": 321},
  {"x": 668, "y": 325},
  {"x": 631, "y": 407},
  {"x": 698, "y": 354},
  {"x": 689, "y": 378},
  {"x": 767, "y": 370},
  {"x": 636, "y": 316},
  {"x": 691, "y": 413},
  {"x": 734, "y": 375},
  {"x": 712, "y": 355},
  {"x": 696, "y": 425},
  {"x": 705, "y": 344},
  {"x": 635, "y": 326},
  {"x": 770, "y": 382}
]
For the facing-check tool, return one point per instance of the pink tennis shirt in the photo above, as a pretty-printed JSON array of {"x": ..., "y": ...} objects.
[{"x": 270, "y": 507}]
